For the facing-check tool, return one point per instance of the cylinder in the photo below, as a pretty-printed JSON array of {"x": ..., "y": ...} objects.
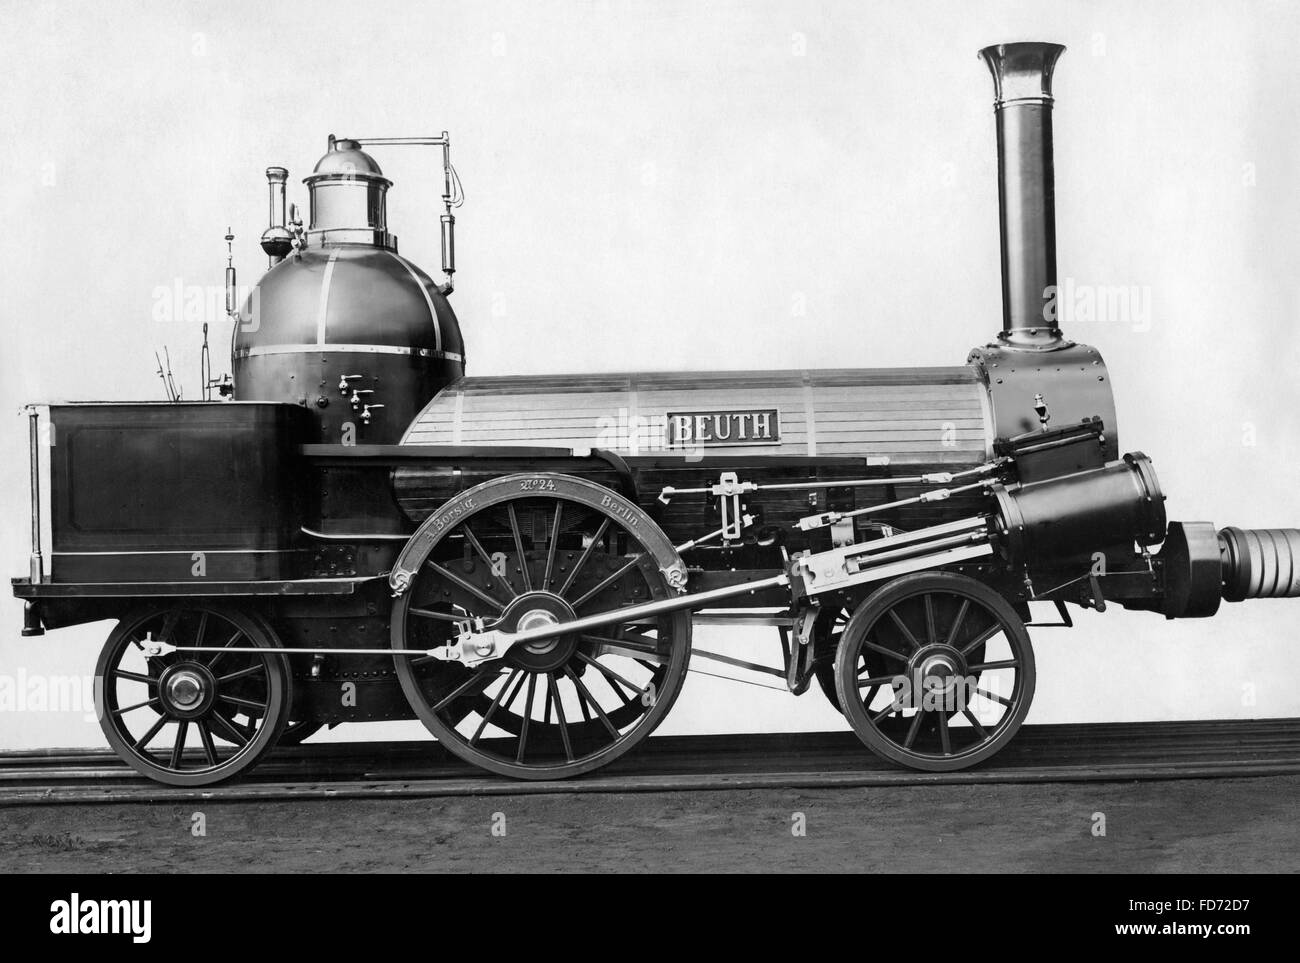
[
  {"x": 1260, "y": 563},
  {"x": 343, "y": 204},
  {"x": 1062, "y": 519},
  {"x": 1022, "y": 81},
  {"x": 448, "y": 245},
  {"x": 232, "y": 291}
]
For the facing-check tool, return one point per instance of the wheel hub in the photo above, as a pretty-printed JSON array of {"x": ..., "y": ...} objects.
[
  {"x": 938, "y": 669},
  {"x": 939, "y": 672},
  {"x": 533, "y": 611},
  {"x": 534, "y": 619},
  {"x": 187, "y": 689}
]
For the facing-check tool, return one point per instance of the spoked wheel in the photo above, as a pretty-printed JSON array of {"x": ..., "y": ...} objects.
[
  {"x": 533, "y": 550},
  {"x": 958, "y": 676},
  {"x": 191, "y": 718}
]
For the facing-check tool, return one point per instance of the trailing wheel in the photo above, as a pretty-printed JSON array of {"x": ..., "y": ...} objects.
[
  {"x": 535, "y": 550},
  {"x": 192, "y": 718},
  {"x": 935, "y": 671}
]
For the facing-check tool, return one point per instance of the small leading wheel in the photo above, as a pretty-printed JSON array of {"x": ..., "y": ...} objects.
[
  {"x": 957, "y": 677},
  {"x": 526, "y": 551},
  {"x": 176, "y": 718}
]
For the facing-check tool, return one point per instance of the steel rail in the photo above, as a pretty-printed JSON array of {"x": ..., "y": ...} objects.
[{"x": 1069, "y": 753}]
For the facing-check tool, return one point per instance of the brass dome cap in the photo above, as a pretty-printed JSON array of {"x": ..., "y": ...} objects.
[{"x": 345, "y": 160}]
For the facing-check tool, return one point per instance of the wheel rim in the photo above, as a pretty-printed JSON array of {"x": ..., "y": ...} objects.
[
  {"x": 519, "y": 559},
  {"x": 959, "y": 677},
  {"x": 176, "y": 718}
]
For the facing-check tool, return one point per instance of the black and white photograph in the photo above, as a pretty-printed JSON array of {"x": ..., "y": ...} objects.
[{"x": 612, "y": 437}]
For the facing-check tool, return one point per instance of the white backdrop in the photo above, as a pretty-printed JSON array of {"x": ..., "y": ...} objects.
[{"x": 682, "y": 185}]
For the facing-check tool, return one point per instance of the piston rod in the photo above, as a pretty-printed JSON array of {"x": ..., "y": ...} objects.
[
  {"x": 627, "y": 614},
  {"x": 477, "y": 642},
  {"x": 812, "y": 522},
  {"x": 849, "y": 566},
  {"x": 932, "y": 478}
]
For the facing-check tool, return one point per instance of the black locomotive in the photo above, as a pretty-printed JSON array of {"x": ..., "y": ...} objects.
[{"x": 362, "y": 532}]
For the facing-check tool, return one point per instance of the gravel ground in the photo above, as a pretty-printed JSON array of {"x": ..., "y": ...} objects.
[{"x": 1195, "y": 826}]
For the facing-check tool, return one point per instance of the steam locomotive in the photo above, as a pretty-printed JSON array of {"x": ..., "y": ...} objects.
[{"x": 360, "y": 531}]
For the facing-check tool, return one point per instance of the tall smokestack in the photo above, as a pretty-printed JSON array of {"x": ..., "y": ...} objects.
[{"x": 1022, "y": 83}]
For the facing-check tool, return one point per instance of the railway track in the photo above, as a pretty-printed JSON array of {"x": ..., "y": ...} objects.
[{"x": 1052, "y": 753}]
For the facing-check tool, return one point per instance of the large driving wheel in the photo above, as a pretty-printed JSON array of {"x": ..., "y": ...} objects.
[
  {"x": 530, "y": 550},
  {"x": 958, "y": 672},
  {"x": 191, "y": 718}
]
